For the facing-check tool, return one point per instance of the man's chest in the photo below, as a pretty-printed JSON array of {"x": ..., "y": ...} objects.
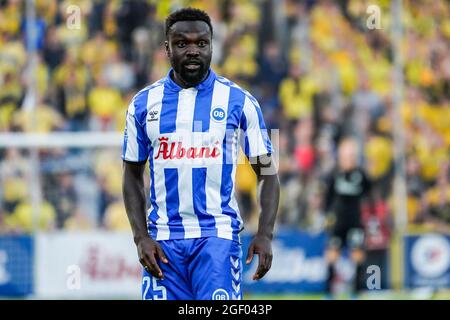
[{"x": 191, "y": 126}]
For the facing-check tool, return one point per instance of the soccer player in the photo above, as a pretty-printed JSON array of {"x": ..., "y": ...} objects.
[
  {"x": 346, "y": 188},
  {"x": 189, "y": 125}
]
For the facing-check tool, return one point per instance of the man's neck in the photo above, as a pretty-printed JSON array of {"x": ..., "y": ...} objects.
[{"x": 183, "y": 84}]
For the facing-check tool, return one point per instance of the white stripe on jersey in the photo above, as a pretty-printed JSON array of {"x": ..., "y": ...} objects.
[
  {"x": 257, "y": 145},
  {"x": 185, "y": 117},
  {"x": 154, "y": 103},
  {"x": 132, "y": 149},
  {"x": 160, "y": 191},
  {"x": 233, "y": 203},
  {"x": 214, "y": 172}
]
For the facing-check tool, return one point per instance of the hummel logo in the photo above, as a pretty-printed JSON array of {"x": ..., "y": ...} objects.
[
  {"x": 234, "y": 297},
  {"x": 152, "y": 115},
  {"x": 235, "y": 274},
  {"x": 234, "y": 263},
  {"x": 237, "y": 287}
]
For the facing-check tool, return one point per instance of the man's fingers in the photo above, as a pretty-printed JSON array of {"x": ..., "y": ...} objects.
[
  {"x": 269, "y": 258},
  {"x": 148, "y": 266},
  {"x": 261, "y": 267},
  {"x": 142, "y": 262},
  {"x": 161, "y": 254},
  {"x": 250, "y": 254},
  {"x": 155, "y": 268},
  {"x": 264, "y": 265}
]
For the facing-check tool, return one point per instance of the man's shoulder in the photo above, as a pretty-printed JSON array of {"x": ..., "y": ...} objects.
[
  {"x": 234, "y": 85},
  {"x": 144, "y": 91},
  {"x": 138, "y": 103}
]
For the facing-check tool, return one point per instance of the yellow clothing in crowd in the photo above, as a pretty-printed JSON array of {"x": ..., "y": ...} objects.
[
  {"x": 78, "y": 222},
  {"x": 22, "y": 217},
  {"x": 14, "y": 189},
  {"x": 10, "y": 19},
  {"x": 245, "y": 176},
  {"x": 46, "y": 119},
  {"x": 430, "y": 157},
  {"x": 10, "y": 95},
  {"x": 96, "y": 53},
  {"x": 379, "y": 156},
  {"x": 71, "y": 73},
  {"x": 296, "y": 97},
  {"x": 116, "y": 217},
  {"x": 104, "y": 102},
  {"x": 12, "y": 55}
]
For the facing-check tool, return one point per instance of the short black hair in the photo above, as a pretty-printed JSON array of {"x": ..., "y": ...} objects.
[{"x": 187, "y": 14}]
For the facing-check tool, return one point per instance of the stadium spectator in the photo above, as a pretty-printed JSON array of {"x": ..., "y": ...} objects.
[
  {"x": 78, "y": 221},
  {"x": 346, "y": 188},
  {"x": 115, "y": 217},
  {"x": 14, "y": 177},
  {"x": 63, "y": 197},
  {"x": 104, "y": 101},
  {"x": 22, "y": 219}
]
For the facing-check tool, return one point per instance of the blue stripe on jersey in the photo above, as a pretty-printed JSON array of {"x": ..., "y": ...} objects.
[
  {"x": 153, "y": 217},
  {"x": 236, "y": 100},
  {"x": 140, "y": 113},
  {"x": 168, "y": 116},
  {"x": 173, "y": 202},
  {"x": 141, "y": 137},
  {"x": 202, "y": 111},
  {"x": 206, "y": 221},
  {"x": 125, "y": 138},
  {"x": 244, "y": 137},
  {"x": 140, "y": 107}
]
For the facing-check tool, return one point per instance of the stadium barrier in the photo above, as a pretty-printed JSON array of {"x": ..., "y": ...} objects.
[
  {"x": 427, "y": 261},
  {"x": 86, "y": 265},
  {"x": 16, "y": 265}
]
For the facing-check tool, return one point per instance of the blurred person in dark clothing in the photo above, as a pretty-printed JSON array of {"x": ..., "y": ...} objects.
[
  {"x": 131, "y": 14},
  {"x": 53, "y": 51},
  {"x": 377, "y": 225},
  {"x": 437, "y": 201},
  {"x": 63, "y": 196},
  {"x": 346, "y": 188},
  {"x": 273, "y": 66},
  {"x": 71, "y": 102},
  {"x": 96, "y": 16}
]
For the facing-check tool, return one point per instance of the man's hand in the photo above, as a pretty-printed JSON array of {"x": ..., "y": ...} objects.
[
  {"x": 262, "y": 246},
  {"x": 149, "y": 250}
]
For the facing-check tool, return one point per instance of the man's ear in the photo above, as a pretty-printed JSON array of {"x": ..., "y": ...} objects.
[{"x": 166, "y": 45}]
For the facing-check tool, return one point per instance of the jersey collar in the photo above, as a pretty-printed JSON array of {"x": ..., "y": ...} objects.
[{"x": 205, "y": 84}]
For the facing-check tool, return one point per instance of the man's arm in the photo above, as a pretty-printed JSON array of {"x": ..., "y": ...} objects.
[
  {"x": 269, "y": 195},
  {"x": 135, "y": 205}
]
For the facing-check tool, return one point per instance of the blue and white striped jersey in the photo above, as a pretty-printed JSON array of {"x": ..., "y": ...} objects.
[{"x": 191, "y": 138}]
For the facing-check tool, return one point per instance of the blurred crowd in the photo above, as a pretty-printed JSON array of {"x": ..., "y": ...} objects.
[{"x": 319, "y": 73}]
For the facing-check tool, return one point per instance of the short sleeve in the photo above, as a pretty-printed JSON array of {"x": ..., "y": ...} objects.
[
  {"x": 136, "y": 144},
  {"x": 255, "y": 140}
]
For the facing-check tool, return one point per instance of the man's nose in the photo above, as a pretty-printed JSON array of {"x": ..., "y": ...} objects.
[{"x": 192, "y": 52}]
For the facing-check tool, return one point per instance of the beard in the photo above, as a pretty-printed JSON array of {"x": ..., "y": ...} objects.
[{"x": 192, "y": 75}]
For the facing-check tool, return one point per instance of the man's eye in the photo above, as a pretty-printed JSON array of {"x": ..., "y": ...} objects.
[
  {"x": 202, "y": 43},
  {"x": 181, "y": 44}
]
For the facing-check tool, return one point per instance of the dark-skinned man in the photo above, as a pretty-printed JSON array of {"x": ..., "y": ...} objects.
[{"x": 189, "y": 126}]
